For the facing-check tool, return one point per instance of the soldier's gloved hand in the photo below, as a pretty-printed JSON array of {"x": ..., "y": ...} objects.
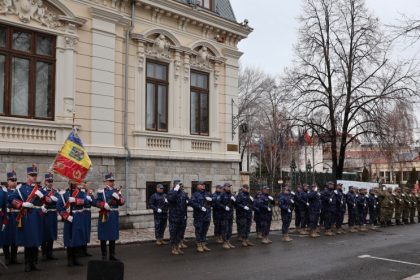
[
  {"x": 209, "y": 198},
  {"x": 336, "y": 192},
  {"x": 44, "y": 209},
  {"x": 246, "y": 208},
  {"x": 307, "y": 204},
  {"x": 269, "y": 209},
  {"x": 293, "y": 193},
  {"x": 107, "y": 207},
  {"x": 116, "y": 196},
  {"x": 233, "y": 198},
  {"x": 316, "y": 189},
  {"x": 166, "y": 200},
  {"x": 292, "y": 201},
  {"x": 288, "y": 210},
  {"x": 72, "y": 199},
  {"x": 227, "y": 208},
  {"x": 39, "y": 194},
  {"x": 89, "y": 198},
  {"x": 203, "y": 209},
  {"x": 3, "y": 227},
  {"x": 177, "y": 187},
  {"x": 70, "y": 219},
  {"x": 330, "y": 200},
  {"x": 53, "y": 198},
  {"x": 270, "y": 198},
  {"x": 27, "y": 205},
  {"x": 252, "y": 199},
  {"x": 159, "y": 210}
]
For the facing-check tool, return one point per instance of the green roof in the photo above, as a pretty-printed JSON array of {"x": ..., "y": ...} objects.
[{"x": 223, "y": 8}]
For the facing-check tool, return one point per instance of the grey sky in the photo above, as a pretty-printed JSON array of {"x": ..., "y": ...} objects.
[{"x": 270, "y": 46}]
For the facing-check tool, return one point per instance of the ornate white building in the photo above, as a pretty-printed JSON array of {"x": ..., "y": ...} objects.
[{"x": 151, "y": 83}]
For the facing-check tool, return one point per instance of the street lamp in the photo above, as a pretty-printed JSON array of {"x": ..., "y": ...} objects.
[
  {"x": 293, "y": 169},
  {"x": 308, "y": 169}
]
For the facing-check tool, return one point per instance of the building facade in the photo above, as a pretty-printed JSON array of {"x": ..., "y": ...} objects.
[{"x": 151, "y": 84}]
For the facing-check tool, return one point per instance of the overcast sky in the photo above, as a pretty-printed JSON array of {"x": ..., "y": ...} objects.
[{"x": 270, "y": 46}]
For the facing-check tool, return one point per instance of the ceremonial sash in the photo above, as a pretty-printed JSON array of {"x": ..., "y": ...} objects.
[{"x": 23, "y": 210}]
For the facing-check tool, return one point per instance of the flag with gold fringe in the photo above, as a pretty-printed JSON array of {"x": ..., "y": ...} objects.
[{"x": 72, "y": 161}]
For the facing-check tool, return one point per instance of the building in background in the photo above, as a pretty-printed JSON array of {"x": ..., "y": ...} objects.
[{"x": 151, "y": 83}]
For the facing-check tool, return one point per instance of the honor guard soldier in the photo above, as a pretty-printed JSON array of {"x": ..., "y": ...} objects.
[
  {"x": 341, "y": 209},
  {"x": 314, "y": 199},
  {"x": 264, "y": 204},
  {"x": 50, "y": 217},
  {"x": 178, "y": 201},
  {"x": 227, "y": 202},
  {"x": 329, "y": 205},
  {"x": 87, "y": 215},
  {"x": 387, "y": 203},
  {"x": 413, "y": 205},
  {"x": 406, "y": 206},
  {"x": 362, "y": 209},
  {"x": 159, "y": 204},
  {"x": 217, "y": 214},
  {"x": 298, "y": 217},
  {"x": 352, "y": 210},
  {"x": 108, "y": 200},
  {"x": 10, "y": 247},
  {"x": 398, "y": 206},
  {"x": 286, "y": 204},
  {"x": 70, "y": 207},
  {"x": 303, "y": 205},
  {"x": 201, "y": 202},
  {"x": 244, "y": 207},
  {"x": 29, "y": 199},
  {"x": 373, "y": 207},
  {"x": 257, "y": 217}
]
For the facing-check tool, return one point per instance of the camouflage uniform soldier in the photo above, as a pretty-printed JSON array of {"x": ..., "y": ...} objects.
[
  {"x": 413, "y": 200},
  {"x": 387, "y": 206},
  {"x": 418, "y": 206},
  {"x": 406, "y": 206},
  {"x": 398, "y": 206}
]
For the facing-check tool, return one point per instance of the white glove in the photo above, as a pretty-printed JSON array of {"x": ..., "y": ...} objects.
[
  {"x": 3, "y": 227},
  {"x": 203, "y": 209},
  {"x": 44, "y": 209},
  {"x": 288, "y": 210},
  {"x": 72, "y": 199},
  {"x": 39, "y": 194},
  {"x": 307, "y": 204},
  {"x": 246, "y": 208},
  {"x": 159, "y": 210},
  {"x": 89, "y": 198},
  {"x": 252, "y": 199},
  {"x": 107, "y": 207},
  {"x": 116, "y": 196},
  {"x": 209, "y": 198},
  {"x": 70, "y": 219},
  {"x": 336, "y": 192},
  {"x": 403, "y": 194},
  {"x": 316, "y": 189},
  {"x": 227, "y": 208},
  {"x": 293, "y": 193},
  {"x": 330, "y": 200},
  {"x": 27, "y": 205},
  {"x": 166, "y": 200},
  {"x": 269, "y": 209},
  {"x": 177, "y": 187},
  {"x": 53, "y": 198},
  {"x": 270, "y": 198},
  {"x": 292, "y": 201},
  {"x": 233, "y": 198}
]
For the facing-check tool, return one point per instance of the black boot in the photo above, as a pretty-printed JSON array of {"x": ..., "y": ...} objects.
[
  {"x": 103, "y": 250},
  {"x": 34, "y": 259},
  {"x": 85, "y": 251},
  {"x": 50, "y": 246},
  {"x": 44, "y": 250},
  {"x": 27, "y": 259},
  {"x": 7, "y": 257},
  {"x": 76, "y": 253},
  {"x": 69, "y": 257},
  {"x": 13, "y": 254},
  {"x": 112, "y": 251}
]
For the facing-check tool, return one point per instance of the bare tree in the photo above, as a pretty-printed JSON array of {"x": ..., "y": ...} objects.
[{"x": 342, "y": 75}]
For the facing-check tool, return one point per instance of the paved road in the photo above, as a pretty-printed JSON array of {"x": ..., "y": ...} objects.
[{"x": 325, "y": 258}]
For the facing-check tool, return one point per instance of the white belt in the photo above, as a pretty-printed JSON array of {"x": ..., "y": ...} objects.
[
  {"x": 87, "y": 209},
  {"x": 36, "y": 207},
  {"x": 12, "y": 210},
  {"x": 114, "y": 210},
  {"x": 51, "y": 210},
  {"x": 78, "y": 211}
]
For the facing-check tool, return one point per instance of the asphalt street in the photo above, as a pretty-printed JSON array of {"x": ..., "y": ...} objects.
[{"x": 350, "y": 256}]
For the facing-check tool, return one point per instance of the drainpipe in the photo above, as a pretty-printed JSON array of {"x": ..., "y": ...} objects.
[{"x": 126, "y": 147}]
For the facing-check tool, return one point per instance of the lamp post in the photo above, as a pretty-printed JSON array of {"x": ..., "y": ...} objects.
[{"x": 293, "y": 169}]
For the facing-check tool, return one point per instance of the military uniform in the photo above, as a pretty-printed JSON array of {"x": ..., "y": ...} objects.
[
  {"x": 399, "y": 202},
  {"x": 244, "y": 207},
  {"x": 50, "y": 219},
  {"x": 264, "y": 205},
  {"x": 406, "y": 207},
  {"x": 303, "y": 205},
  {"x": 3, "y": 214},
  {"x": 314, "y": 199},
  {"x": 341, "y": 210},
  {"x": 178, "y": 201},
  {"x": 418, "y": 206},
  {"x": 413, "y": 207},
  {"x": 362, "y": 210},
  {"x": 201, "y": 202},
  {"x": 217, "y": 213},
  {"x": 352, "y": 209},
  {"x": 10, "y": 247},
  {"x": 159, "y": 204},
  {"x": 257, "y": 217},
  {"x": 286, "y": 204},
  {"x": 387, "y": 203},
  {"x": 329, "y": 205},
  {"x": 373, "y": 208},
  {"x": 298, "y": 216},
  {"x": 227, "y": 202}
]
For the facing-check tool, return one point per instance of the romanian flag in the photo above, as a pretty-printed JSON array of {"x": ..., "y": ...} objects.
[{"x": 72, "y": 161}]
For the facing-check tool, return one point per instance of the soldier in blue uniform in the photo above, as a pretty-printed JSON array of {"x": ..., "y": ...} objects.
[
  {"x": 108, "y": 200},
  {"x": 257, "y": 217},
  {"x": 3, "y": 215},
  {"x": 10, "y": 247},
  {"x": 303, "y": 205},
  {"x": 362, "y": 209},
  {"x": 70, "y": 207},
  {"x": 264, "y": 205},
  {"x": 373, "y": 202},
  {"x": 286, "y": 204},
  {"x": 50, "y": 217},
  {"x": 329, "y": 205},
  {"x": 87, "y": 215},
  {"x": 314, "y": 199},
  {"x": 244, "y": 207},
  {"x": 178, "y": 201},
  {"x": 341, "y": 209},
  {"x": 227, "y": 202},
  {"x": 217, "y": 214},
  {"x": 351, "y": 206},
  {"x": 29, "y": 199},
  {"x": 201, "y": 202},
  {"x": 159, "y": 204}
]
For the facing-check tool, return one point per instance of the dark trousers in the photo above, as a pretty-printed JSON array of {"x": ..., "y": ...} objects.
[
  {"x": 201, "y": 229},
  {"x": 286, "y": 219},
  {"x": 339, "y": 219},
  {"x": 329, "y": 218},
  {"x": 160, "y": 226},
  {"x": 373, "y": 216},
  {"x": 313, "y": 220},
  {"x": 352, "y": 217},
  {"x": 304, "y": 215},
  {"x": 217, "y": 226},
  {"x": 227, "y": 228},
  {"x": 111, "y": 248},
  {"x": 265, "y": 226},
  {"x": 244, "y": 226},
  {"x": 176, "y": 231},
  {"x": 362, "y": 218},
  {"x": 10, "y": 254},
  {"x": 298, "y": 218}
]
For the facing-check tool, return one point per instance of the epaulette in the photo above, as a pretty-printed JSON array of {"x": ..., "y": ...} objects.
[{"x": 4, "y": 188}]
